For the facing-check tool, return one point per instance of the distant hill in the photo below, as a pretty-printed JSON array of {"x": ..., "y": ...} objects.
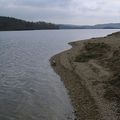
[
  {"x": 68, "y": 26},
  {"x": 10, "y": 23},
  {"x": 97, "y": 26},
  {"x": 108, "y": 26}
]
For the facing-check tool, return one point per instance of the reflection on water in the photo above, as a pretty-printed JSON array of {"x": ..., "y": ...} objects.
[{"x": 29, "y": 89}]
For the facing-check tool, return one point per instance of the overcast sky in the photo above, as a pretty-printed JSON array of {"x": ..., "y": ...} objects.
[{"x": 63, "y": 11}]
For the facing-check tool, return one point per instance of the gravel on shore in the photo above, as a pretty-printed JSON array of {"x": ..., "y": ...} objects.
[{"x": 86, "y": 70}]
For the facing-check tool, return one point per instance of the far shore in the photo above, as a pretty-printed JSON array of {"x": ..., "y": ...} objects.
[{"x": 90, "y": 71}]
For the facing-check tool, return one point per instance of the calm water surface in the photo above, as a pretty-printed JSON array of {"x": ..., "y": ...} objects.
[{"x": 29, "y": 89}]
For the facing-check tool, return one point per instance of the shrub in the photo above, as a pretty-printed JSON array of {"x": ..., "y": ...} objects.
[{"x": 93, "y": 51}]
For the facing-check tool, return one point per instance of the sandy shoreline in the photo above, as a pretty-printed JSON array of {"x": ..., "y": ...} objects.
[{"x": 86, "y": 80}]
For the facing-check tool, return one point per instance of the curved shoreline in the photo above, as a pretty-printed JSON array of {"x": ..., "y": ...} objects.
[
  {"x": 81, "y": 109},
  {"x": 78, "y": 78}
]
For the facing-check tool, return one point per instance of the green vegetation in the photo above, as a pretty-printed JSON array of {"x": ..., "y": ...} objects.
[
  {"x": 92, "y": 51},
  {"x": 113, "y": 63},
  {"x": 115, "y": 81},
  {"x": 99, "y": 47},
  {"x": 9, "y": 23},
  {"x": 99, "y": 51},
  {"x": 111, "y": 95},
  {"x": 116, "y": 34}
]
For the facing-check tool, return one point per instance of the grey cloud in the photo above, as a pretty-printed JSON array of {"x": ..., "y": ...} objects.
[
  {"x": 63, "y": 11},
  {"x": 43, "y": 3}
]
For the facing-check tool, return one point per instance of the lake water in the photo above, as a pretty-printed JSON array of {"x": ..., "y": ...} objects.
[{"x": 29, "y": 88}]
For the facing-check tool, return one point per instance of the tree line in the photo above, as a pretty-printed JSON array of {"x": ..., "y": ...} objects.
[{"x": 10, "y": 23}]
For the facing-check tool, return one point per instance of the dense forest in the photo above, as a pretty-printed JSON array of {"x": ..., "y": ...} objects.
[{"x": 10, "y": 23}]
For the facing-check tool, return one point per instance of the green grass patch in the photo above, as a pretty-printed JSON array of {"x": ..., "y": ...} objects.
[{"x": 92, "y": 51}]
